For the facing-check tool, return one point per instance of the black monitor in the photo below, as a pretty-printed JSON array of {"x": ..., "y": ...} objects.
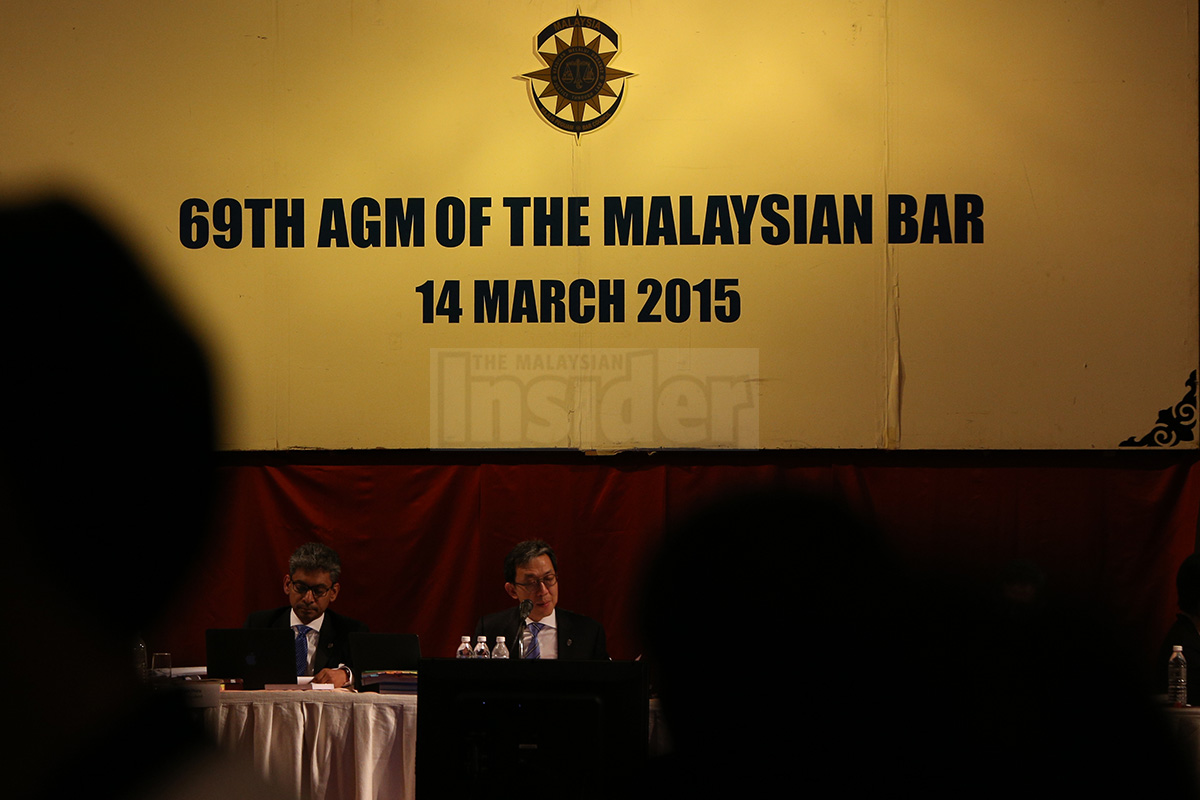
[
  {"x": 568, "y": 728},
  {"x": 257, "y": 656},
  {"x": 381, "y": 651}
]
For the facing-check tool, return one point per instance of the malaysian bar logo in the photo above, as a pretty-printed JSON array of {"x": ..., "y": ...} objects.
[{"x": 577, "y": 75}]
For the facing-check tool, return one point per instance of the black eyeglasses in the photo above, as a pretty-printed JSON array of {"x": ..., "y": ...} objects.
[
  {"x": 302, "y": 589},
  {"x": 530, "y": 585}
]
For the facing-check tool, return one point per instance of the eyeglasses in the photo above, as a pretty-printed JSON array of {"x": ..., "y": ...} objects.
[
  {"x": 302, "y": 589},
  {"x": 549, "y": 579}
]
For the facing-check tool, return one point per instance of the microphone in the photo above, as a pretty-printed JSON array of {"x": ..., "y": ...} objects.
[{"x": 522, "y": 612}]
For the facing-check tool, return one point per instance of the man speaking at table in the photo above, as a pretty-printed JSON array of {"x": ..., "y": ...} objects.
[
  {"x": 531, "y": 576},
  {"x": 322, "y": 636}
]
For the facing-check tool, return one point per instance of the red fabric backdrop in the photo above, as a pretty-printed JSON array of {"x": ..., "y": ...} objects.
[{"x": 423, "y": 535}]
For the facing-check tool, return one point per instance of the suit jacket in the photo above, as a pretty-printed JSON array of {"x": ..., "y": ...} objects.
[
  {"x": 333, "y": 643},
  {"x": 580, "y": 638}
]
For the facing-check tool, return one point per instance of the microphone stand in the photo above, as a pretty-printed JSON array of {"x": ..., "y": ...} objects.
[{"x": 522, "y": 612}]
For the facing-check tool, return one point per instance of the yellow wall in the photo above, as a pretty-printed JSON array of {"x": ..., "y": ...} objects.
[{"x": 1070, "y": 325}]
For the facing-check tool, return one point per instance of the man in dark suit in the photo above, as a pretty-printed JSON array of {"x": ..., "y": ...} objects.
[
  {"x": 531, "y": 574},
  {"x": 322, "y": 636}
]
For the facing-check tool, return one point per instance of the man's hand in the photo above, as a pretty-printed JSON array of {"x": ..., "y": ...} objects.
[{"x": 337, "y": 676}]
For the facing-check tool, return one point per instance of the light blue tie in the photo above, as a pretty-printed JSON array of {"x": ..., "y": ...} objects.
[
  {"x": 534, "y": 651},
  {"x": 301, "y": 648}
]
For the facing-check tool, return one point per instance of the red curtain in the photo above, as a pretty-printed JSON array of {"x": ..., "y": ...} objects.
[{"x": 423, "y": 535}]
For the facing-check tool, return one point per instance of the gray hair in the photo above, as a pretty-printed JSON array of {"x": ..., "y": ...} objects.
[{"x": 316, "y": 557}]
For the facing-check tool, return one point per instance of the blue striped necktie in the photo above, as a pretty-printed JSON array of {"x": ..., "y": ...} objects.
[
  {"x": 533, "y": 651},
  {"x": 301, "y": 648}
]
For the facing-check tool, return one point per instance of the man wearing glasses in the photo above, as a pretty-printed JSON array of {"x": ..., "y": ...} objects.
[
  {"x": 531, "y": 574},
  {"x": 322, "y": 636}
]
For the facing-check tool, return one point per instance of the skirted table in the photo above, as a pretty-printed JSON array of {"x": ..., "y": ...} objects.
[{"x": 323, "y": 745}]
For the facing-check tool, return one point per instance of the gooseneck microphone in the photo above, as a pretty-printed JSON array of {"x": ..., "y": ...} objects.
[{"x": 522, "y": 612}]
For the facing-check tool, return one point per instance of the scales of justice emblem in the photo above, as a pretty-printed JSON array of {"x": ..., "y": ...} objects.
[{"x": 577, "y": 75}]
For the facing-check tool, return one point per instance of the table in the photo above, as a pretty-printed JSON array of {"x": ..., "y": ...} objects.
[
  {"x": 1184, "y": 724},
  {"x": 320, "y": 745}
]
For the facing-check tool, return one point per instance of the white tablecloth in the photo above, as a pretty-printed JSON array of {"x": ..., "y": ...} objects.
[
  {"x": 324, "y": 745},
  {"x": 335, "y": 745}
]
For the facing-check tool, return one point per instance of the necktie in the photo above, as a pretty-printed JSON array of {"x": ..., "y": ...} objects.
[
  {"x": 301, "y": 648},
  {"x": 533, "y": 651}
]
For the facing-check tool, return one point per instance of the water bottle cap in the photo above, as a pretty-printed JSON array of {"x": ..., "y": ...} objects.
[
  {"x": 482, "y": 639},
  {"x": 1178, "y": 648},
  {"x": 499, "y": 639},
  {"x": 466, "y": 638}
]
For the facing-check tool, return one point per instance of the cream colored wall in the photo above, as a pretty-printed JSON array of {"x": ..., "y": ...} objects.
[{"x": 1070, "y": 326}]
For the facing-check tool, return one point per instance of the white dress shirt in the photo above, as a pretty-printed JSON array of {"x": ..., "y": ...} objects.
[
  {"x": 314, "y": 635},
  {"x": 547, "y": 636}
]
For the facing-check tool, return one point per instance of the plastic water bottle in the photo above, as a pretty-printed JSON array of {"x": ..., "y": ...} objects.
[
  {"x": 464, "y": 650},
  {"x": 139, "y": 660},
  {"x": 481, "y": 649},
  {"x": 501, "y": 650},
  {"x": 1177, "y": 678}
]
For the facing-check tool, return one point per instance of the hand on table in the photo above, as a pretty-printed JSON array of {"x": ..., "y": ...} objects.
[{"x": 337, "y": 676}]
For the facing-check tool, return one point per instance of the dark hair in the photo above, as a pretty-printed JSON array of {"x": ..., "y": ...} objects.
[
  {"x": 316, "y": 557},
  {"x": 802, "y": 609},
  {"x": 827, "y": 606},
  {"x": 131, "y": 383},
  {"x": 525, "y": 552},
  {"x": 1187, "y": 583}
]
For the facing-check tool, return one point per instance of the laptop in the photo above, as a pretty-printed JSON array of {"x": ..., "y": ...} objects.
[
  {"x": 383, "y": 651},
  {"x": 257, "y": 656}
]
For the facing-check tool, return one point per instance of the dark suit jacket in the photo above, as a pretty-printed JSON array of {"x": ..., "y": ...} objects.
[
  {"x": 333, "y": 645},
  {"x": 580, "y": 638}
]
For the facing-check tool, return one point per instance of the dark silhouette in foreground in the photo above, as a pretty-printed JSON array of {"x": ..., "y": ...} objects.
[
  {"x": 793, "y": 649},
  {"x": 106, "y": 483}
]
